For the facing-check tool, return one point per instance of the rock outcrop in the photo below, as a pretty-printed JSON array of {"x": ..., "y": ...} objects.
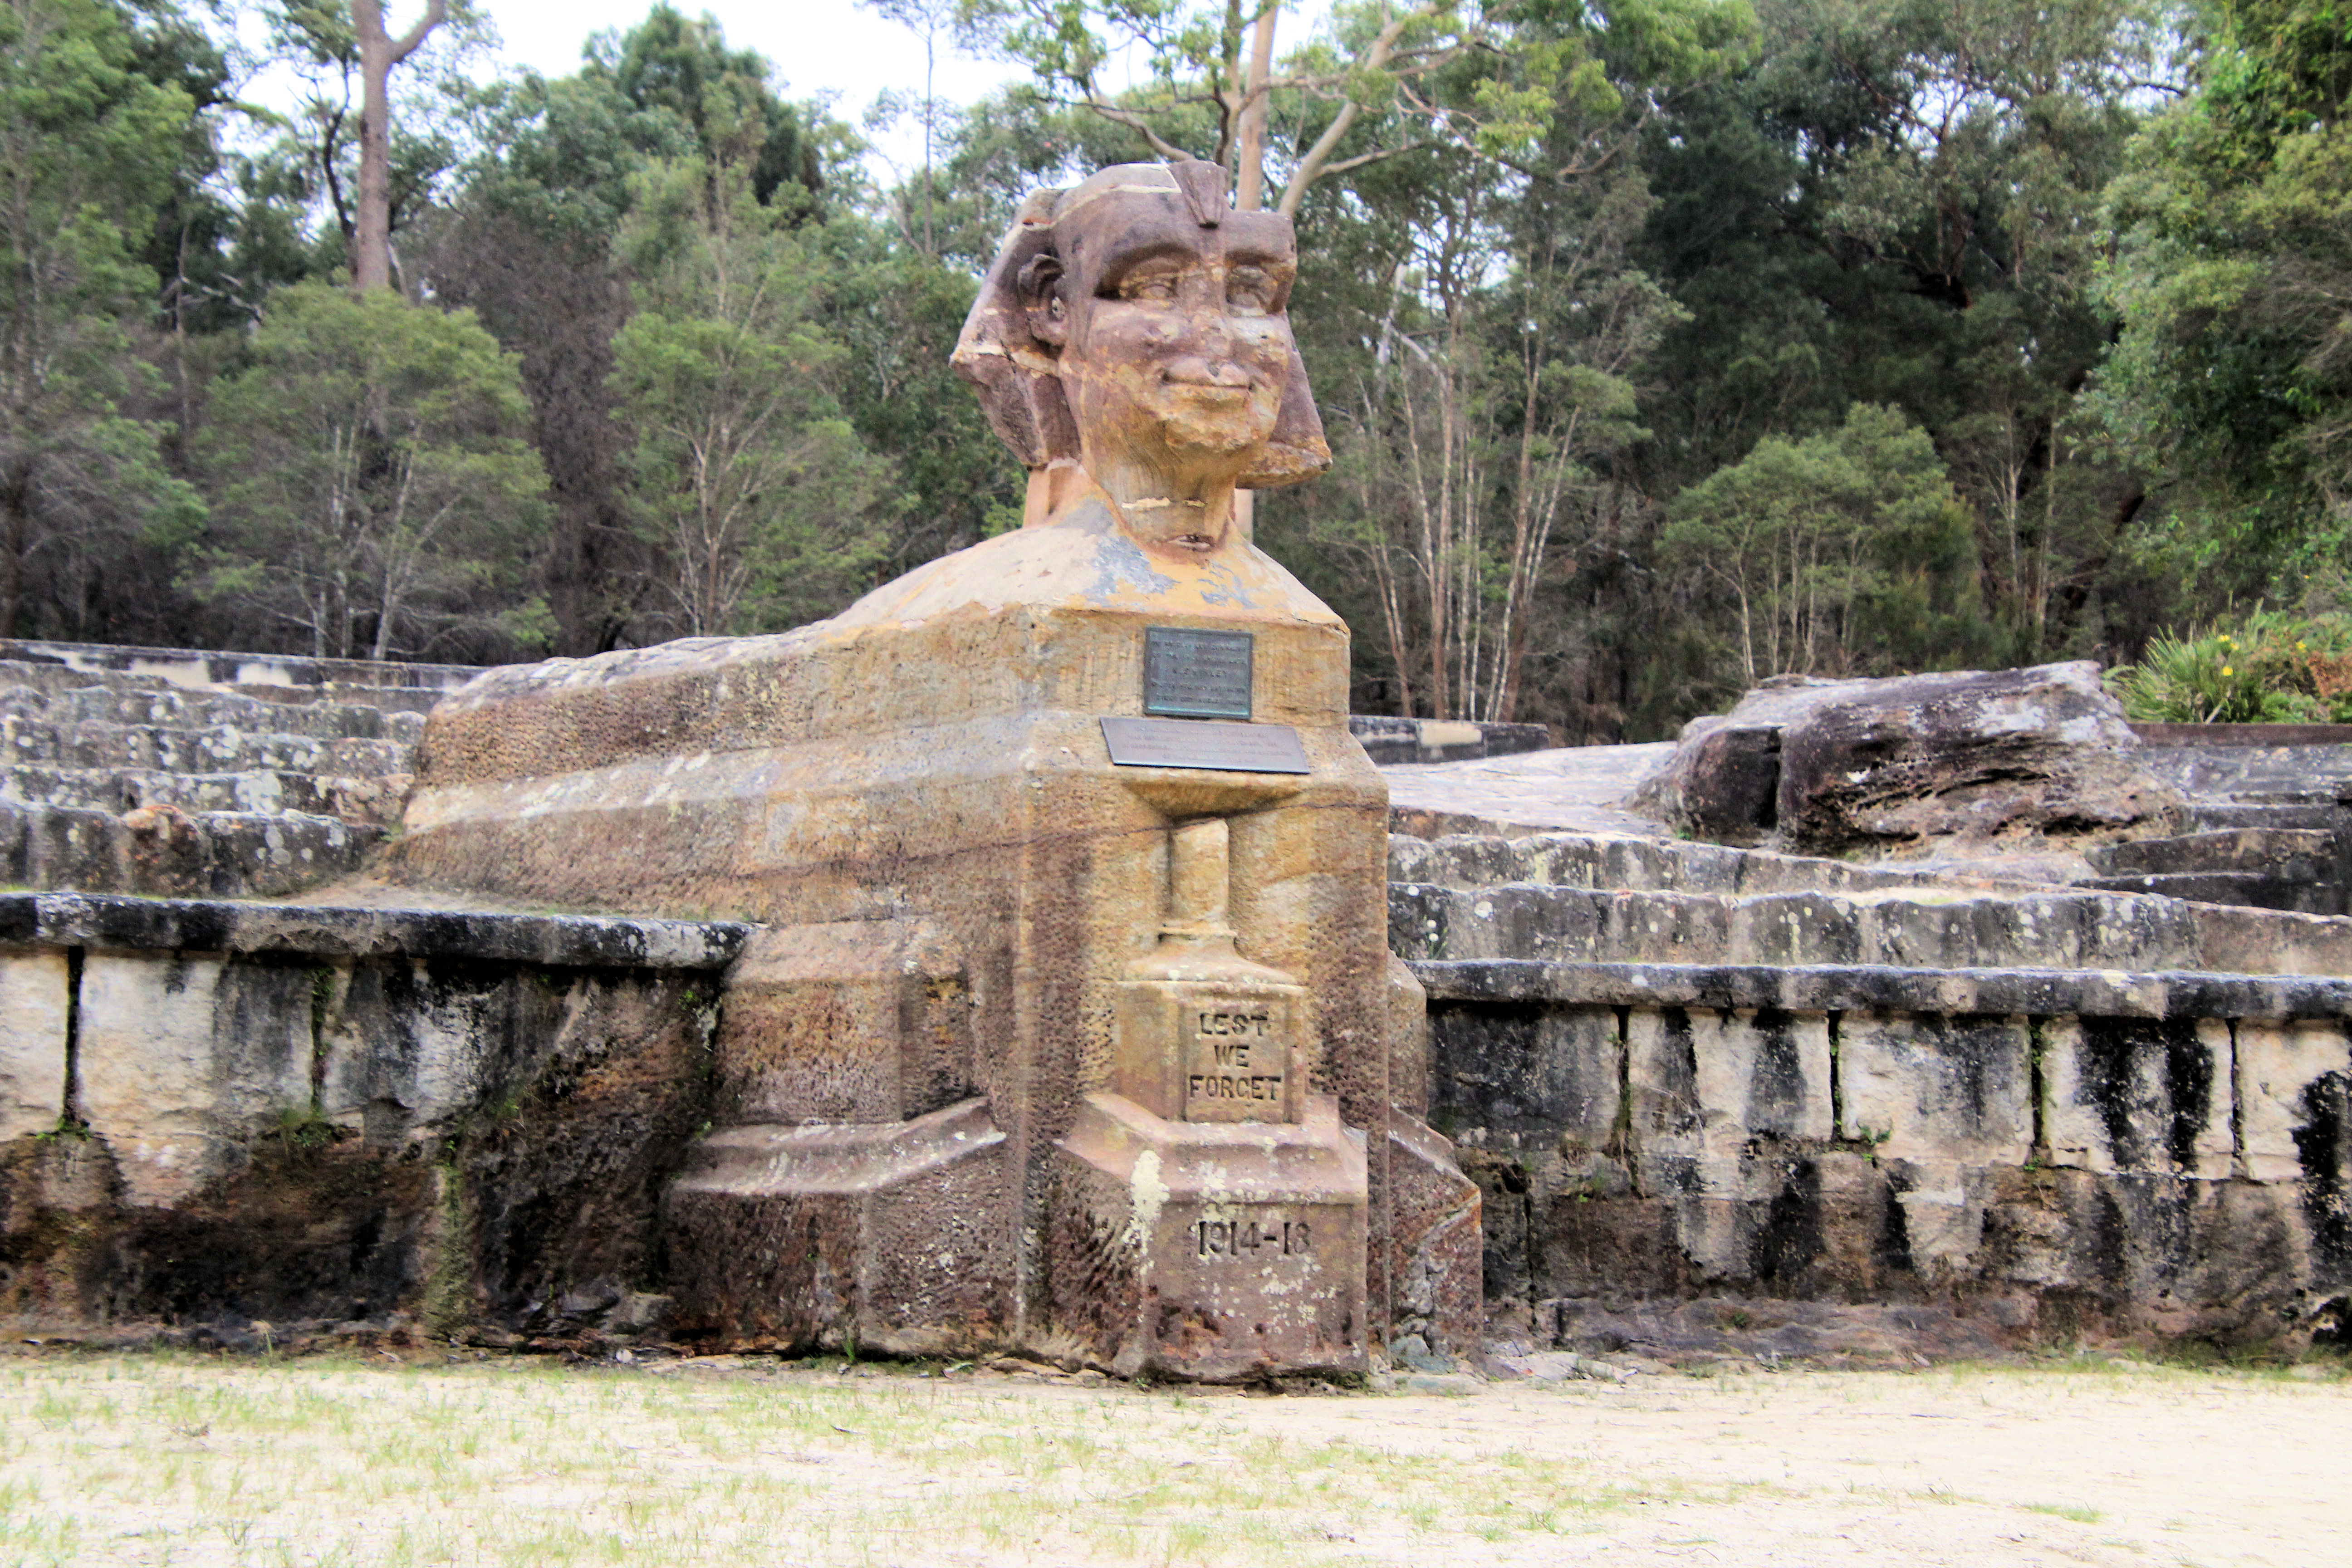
[{"x": 1830, "y": 766}]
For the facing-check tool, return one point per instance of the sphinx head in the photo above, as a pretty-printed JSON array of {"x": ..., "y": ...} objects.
[{"x": 1136, "y": 326}]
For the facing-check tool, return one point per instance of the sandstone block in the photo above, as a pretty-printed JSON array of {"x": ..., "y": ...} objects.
[
  {"x": 1666, "y": 928},
  {"x": 1519, "y": 1077},
  {"x": 1525, "y": 921},
  {"x": 184, "y": 1059},
  {"x": 1794, "y": 927},
  {"x": 78, "y": 849},
  {"x": 1408, "y": 1040},
  {"x": 1436, "y": 1242},
  {"x": 854, "y": 1021},
  {"x": 1724, "y": 782},
  {"x": 1829, "y": 764},
  {"x": 412, "y": 1044},
  {"x": 1952, "y": 1092},
  {"x": 270, "y": 856},
  {"x": 2138, "y": 1095},
  {"x": 13, "y": 822},
  {"x": 2282, "y": 1069},
  {"x": 1704, "y": 1082},
  {"x": 33, "y": 1003}
]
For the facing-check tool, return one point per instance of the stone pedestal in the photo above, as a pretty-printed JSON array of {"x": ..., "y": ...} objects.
[
  {"x": 1209, "y": 1217},
  {"x": 989, "y": 1019}
]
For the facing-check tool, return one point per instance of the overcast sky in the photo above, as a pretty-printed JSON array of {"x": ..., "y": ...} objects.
[{"x": 819, "y": 46}]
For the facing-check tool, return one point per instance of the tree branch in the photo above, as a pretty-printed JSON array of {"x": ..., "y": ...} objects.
[{"x": 435, "y": 13}]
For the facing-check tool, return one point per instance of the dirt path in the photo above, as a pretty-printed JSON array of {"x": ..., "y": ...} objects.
[{"x": 179, "y": 1460}]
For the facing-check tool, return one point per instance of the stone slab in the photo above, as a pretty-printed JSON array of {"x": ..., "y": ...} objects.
[
  {"x": 2039, "y": 993},
  {"x": 183, "y": 1059},
  {"x": 337, "y": 930},
  {"x": 1527, "y": 1078},
  {"x": 2278, "y": 1065},
  {"x": 1935, "y": 1088},
  {"x": 33, "y": 1005},
  {"x": 2139, "y": 1096}
]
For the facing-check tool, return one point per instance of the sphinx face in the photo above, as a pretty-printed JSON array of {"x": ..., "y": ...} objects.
[{"x": 1175, "y": 344}]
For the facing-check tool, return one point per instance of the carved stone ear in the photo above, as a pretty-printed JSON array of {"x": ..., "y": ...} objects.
[
  {"x": 1040, "y": 286},
  {"x": 1297, "y": 449},
  {"x": 1002, "y": 357}
]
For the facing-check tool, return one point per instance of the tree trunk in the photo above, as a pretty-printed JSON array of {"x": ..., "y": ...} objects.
[
  {"x": 15, "y": 539},
  {"x": 379, "y": 52}
]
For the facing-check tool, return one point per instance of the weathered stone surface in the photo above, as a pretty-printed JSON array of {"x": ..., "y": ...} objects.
[
  {"x": 327, "y": 931},
  {"x": 2282, "y": 1071},
  {"x": 1936, "y": 1090},
  {"x": 875, "y": 1235},
  {"x": 1838, "y": 764},
  {"x": 182, "y": 1056},
  {"x": 855, "y": 1021},
  {"x": 1766, "y": 1329},
  {"x": 1725, "y": 781},
  {"x": 2138, "y": 1095},
  {"x": 33, "y": 1000},
  {"x": 323, "y": 1126},
  {"x": 1517, "y": 1077}
]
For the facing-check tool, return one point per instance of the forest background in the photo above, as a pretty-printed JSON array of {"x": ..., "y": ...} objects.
[{"x": 1664, "y": 345}]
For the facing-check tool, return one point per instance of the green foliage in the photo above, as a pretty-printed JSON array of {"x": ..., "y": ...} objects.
[
  {"x": 373, "y": 489},
  {"x": 2233, "y": 375},
  {"x": 745, "y": 471},
  {"x": 1843, "y": 553},
  {"x": 2264, "y": 668},
  {"x": 90, "y": 142}
]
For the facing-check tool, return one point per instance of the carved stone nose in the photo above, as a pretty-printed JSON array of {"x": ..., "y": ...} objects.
[{"x": 1203, "y": 370}]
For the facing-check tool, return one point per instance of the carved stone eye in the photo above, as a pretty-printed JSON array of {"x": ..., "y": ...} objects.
[
  {"x": 1150, "y": 286},
  {"x": 1250, "y": 290}
]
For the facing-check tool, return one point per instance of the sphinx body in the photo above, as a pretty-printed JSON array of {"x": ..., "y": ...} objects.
[{"x": 1038, "y": 1046}]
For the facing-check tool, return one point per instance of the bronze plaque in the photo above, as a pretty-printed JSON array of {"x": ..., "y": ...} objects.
[
  {"x": 1189, "y": 744},
  {"x": 1189, "y": 674}
]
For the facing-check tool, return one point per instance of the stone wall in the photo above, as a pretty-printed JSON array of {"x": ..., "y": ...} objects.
[
  {"x": 2034, "y": 1115},
  {"x": 326, "y": 1118}
]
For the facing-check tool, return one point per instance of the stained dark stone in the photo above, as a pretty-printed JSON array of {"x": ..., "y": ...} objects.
[
  {"x": 2323, "y": 1146},
  {"x": 2150, "y": 1081},
  {"x": 1790, "y": 1239},
  {"x": 1776, "y": 1095}
]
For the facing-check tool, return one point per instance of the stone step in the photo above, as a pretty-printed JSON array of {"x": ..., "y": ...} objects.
[
  {"x": 2292, "y": 854},
  {"x": 390, "y": 700},
  {"x": 396, "y": 703},
  {"x": 376, "y": 799},
  {"x": 47, "y": 679},
  {"x": 1588, "y": 860},
  {"x": 2213, "y": 816},
  {"x": 186, "y": 667},
  {"x": 2318, "y": 775},
  {"x": 2256, "y": 889},
  {"x": 219, "y": 748},
  {"x": 163, "y": 851},
  {"x": 319, "y": 719},
  {"x": 2049, "y": 929}
]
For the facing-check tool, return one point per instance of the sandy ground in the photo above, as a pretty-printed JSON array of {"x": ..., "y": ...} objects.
[{"x": 186, "y": 1460}]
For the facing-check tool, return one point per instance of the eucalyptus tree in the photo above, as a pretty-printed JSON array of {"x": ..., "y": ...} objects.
[
  {"x": 90, "y": 145},
  {"x": 2232, "y": 263}
]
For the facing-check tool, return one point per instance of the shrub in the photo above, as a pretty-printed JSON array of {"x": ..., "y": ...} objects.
[{"x": 2267, "y": 668}]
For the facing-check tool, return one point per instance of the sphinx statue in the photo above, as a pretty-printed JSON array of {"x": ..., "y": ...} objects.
[{"x": 1071, "y": 1024}]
